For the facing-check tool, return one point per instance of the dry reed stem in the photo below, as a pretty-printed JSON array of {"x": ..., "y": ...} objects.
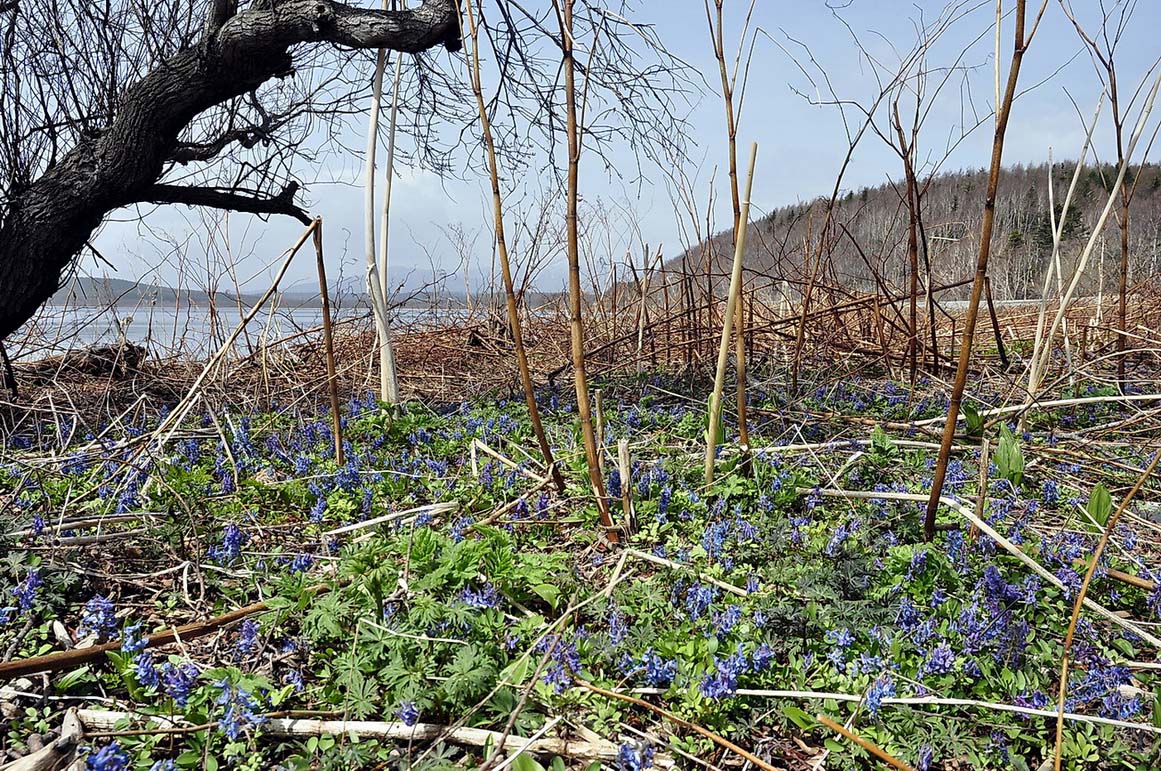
[
  {"x": 715, "y": 410},
  {"x": 1080, "y": 598},
  {"x": 881, "y": 754},
  {"x": 715, "y": 738}
]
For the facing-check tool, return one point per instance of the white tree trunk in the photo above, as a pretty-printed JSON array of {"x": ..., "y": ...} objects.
[{"x": 376, "y": 281}]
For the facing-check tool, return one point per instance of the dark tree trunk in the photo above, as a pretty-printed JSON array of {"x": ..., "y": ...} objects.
[{"x": 52, "y": 219}]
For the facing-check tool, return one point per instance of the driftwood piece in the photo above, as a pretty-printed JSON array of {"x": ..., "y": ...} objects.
[
  {"x": 115, "y": 361},
  {"x": 56, "y": 755}
]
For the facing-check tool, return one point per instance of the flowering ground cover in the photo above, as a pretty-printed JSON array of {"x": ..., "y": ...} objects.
[{"x": 437, "y": 582}]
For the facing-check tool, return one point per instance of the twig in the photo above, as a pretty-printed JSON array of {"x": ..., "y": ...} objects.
[
  {"x": 54, "y": 662},
  {"x": 716, "y": 739},
  {"x": 866, "y": 745},
  {"x": 1080, "y": 597}
]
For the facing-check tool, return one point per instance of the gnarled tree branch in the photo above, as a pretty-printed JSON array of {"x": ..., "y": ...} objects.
[
  {"x": 48, "y": 223},
  {"x": 216, "y": 198}
]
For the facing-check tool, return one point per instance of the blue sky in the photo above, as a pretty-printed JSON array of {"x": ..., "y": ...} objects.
[{"x": 801, "y": 146}]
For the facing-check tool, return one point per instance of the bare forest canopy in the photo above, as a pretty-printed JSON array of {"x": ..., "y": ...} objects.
[{"x": 870, "y": 228}]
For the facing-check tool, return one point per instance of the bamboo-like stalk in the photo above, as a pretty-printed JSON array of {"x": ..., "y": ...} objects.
[
  {"x": 1055, "y": 268},
  {"x": 505, "y": 262},
  {"x": 576, "y": 321},
  {"x": 329, "y": 343},
  {"x": 717, "y": 33},
  {"x": 715, "y": 409},
  {"x": 1042, "y": 362},
  {"x": 1092, "y": 566},
  {"x": 1053, "y": 265},
  {"x": 625, "y": 467},
  {"x": 1020, "y": 45},
  {"x": 388, "y": 383}
]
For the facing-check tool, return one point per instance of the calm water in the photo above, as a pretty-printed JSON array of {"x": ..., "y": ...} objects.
[{"x": 169, "y": 329}]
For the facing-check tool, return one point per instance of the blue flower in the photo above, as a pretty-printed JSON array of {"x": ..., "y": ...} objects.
[
  {"x": 109, "y": 758},
  {"x": 408, "y": 713},
  {"x": 763, "y": 657},
  {"x": 618, "y": 628},
  {"x": 132, "y": 641},
  {"x": 318, "y": 511},
  {"x": 242, "y": 711},
  {"x": 940, "y": 662},
  {"x": 233, "y": 539},
  {"x": 841, "y": 637},
  {"x": 926, "y": 754},
  {"x": 487, "y": 597},
  {"x": 564, "y": 663},
  {"x": 659, "y": 672},
  {"x": 698, "y": 599},
  {"x": 178, "y": 681},
  {"x": 727, "y": 620},
  {"x": 459, "y": 528},
  {"x": 99, "y": 618},
  {"x": 145, "y": 671},
  {"x": 25, "y": 591},
  {"x": 633, "y": 756},
  {"x": 723, "y": 683},
  {"x": 247, "y": 639},
  {"x": 882, "y": 688}
]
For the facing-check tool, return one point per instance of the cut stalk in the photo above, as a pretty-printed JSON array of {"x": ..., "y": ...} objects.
[
  {"x": 1020, "y": 45},
  {"x": 505, "y": 262},
  {"x": 576, "y": 321},
  {"x": 715, "y": 410}
]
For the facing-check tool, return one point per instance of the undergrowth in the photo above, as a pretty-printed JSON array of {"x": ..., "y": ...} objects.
[{"x": 437, "y": 578}]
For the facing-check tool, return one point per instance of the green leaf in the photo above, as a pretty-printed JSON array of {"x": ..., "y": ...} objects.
[
  {"x": 188, "y": 759},
  {"x": 526, "y": 762},
  {"x": 799, "y": 717},
  {"x": 1009, "y": 458},
  {"x": 973, "y": 419},
  {"x": 1100, "y": 506},
  {"x": 548, "y": 593}
]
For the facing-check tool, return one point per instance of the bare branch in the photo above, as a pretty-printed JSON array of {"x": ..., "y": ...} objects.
[{"x": 216, "y": 198}]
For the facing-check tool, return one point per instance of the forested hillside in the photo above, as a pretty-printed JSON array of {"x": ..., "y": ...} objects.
[{"x": 870, "y": 227}]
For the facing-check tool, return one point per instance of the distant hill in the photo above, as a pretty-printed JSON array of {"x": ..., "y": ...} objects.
[
  {"x": 870, "y": 225},
  {"x": 89, "y": 291}
]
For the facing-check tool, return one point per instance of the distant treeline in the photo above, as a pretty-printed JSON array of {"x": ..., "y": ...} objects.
[{"x": 869, "y": 227}]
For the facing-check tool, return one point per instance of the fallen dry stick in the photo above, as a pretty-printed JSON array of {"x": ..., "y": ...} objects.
[
  {"x": 105, "y": 720},
  {"x": 718, "y": 740},
  {"x": 882, "y": 755},
  {"x": 70, "y": 659}
]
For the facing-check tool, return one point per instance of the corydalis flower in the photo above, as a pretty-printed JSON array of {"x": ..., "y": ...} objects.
[
  {"x": 233, "y": 539},
  {"x": 177, "y": 681},
  {"x": 247, "y": 639},
  {"x": 485, "y": 597},
  {"x": 633, "y": 756},
  {"x": 98, "y": 618},
  {"x": 109, "y": 758},
  {"x": 724, "y": 682},
  {"x": 408, "y": 713},
  {"x": 25, "y": 591},
  {"x": 659, "y": 672},
  {"x": 882, "y": 688},
  {"x": 241, "y": 713}
]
